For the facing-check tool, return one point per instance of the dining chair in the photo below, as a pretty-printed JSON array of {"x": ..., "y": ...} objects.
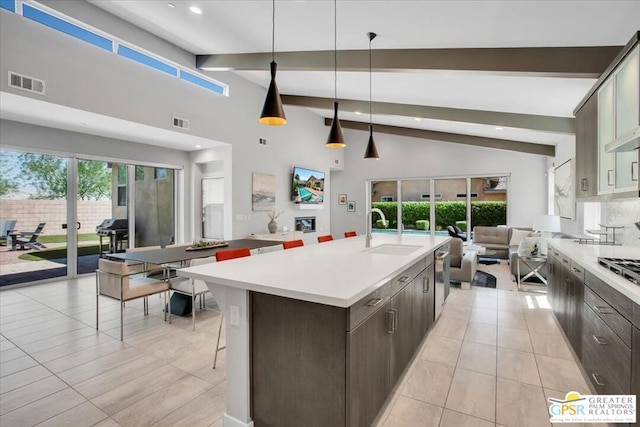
[
  {"x": 113, "y": 280},
  {"x": 289, "y": 244},
  {"x": 192, "y": 287},
  {"x": 350, "y": 234},
  {"x": 325, "y": 238},
  {"x": 232, "y": 253}
]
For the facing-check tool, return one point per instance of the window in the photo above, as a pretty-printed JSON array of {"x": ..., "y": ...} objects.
[
  {"x": 386, "y": 199},
  {"x": 160, "y": 173},
  {"x": 122, "y": 185}
]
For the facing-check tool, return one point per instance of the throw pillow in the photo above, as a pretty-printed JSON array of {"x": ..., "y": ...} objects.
[{"x": 517, "y": 236}]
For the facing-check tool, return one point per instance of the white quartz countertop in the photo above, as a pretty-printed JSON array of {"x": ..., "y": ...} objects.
[
  {"x": 337, "y": 273},
  {"x": 587, "y": 257}
]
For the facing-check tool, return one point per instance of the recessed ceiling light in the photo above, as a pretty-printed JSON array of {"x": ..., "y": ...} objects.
[
  {"x": 358, "y": 112},
  {"x": 499, "y": 128},
  {"x": 417, "y": 119},
  {"x": 198, "y": 146},
  {"x": 196, "y": 10},
  {"x": 171, "y": 5}
]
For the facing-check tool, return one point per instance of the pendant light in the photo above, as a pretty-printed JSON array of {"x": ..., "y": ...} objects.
[
  {"x": 272, "y": 111},
  {"x": 371, "y": 151},
  {"x": 335, "y": 139}
]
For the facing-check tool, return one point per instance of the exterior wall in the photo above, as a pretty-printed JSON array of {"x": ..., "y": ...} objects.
[{"x": 29, "y": 213}]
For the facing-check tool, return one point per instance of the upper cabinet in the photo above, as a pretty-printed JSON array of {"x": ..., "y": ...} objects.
[{"x": 608, "y": 130}]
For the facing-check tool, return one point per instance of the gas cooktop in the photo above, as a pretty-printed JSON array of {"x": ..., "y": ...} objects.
[{"x": 627, "y": 268}]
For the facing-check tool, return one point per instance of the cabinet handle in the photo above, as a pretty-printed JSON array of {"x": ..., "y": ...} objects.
[
  {"x": 601, "y": 309},
  {"x": 634, "y": 176},
  {"x": 390, "y": 321},
  {"x": 584, "y": 184},
  {"x": 566, "y": 261},
  {"x": 609, "y": 177},
  {"x": 576, "y": 270},
  {"x": 374, "y": 301},
  {"x": 425, "y": 284},
  {"x": 595, "y": 378},
  {"x": 569, "y": 284},
  {"x": 395, "y": 319},
  {"x": 403, "y": 279},
  {"x": 600, "y": 340}
]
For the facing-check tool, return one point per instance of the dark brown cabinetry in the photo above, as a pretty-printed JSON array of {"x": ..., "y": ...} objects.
[
  {"x": 587, "y": 149},
  {"x": 565, "y": 292},
  {"x": 317, "y": 365},
  {"x": 635, "y": 363}
]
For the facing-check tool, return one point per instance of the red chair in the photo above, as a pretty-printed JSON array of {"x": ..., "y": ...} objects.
[
  {"x": 289, "y": 244},
  {"x": 325, "y": 238},
  {"x": 232, "y": 253},
  {"x": 350, "y": 234}
]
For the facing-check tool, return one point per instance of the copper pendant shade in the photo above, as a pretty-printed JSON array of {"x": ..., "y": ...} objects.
[
  {"x": 272, "y": 111},
  {"x": 371, "y": 152},
  {"x": 335, "y": 139}
]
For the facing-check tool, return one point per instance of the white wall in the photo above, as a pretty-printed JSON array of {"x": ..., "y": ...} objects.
[
  {"x": 404, "y": 157},
  {"x": 82, "y": 76}
]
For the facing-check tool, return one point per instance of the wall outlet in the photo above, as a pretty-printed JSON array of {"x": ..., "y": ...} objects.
[
  {"x": 234, "y": 314},
  {"x": 264, "y": 142}
]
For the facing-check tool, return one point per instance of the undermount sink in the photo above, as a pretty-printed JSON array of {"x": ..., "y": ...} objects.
[{"x": 393, "y": 249}]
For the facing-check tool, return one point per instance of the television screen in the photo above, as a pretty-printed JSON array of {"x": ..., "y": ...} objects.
[{"x": 308, "y": 186}]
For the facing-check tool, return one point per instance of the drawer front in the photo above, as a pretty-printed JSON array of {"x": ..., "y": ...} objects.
[
  {"x": 605, "y": 357},
  {"x": 577, "y": 270},
  {"x": 615, "y": 299},
  {"x": 564, "y": 260},
  {"x": 404, "y": 278},
  {"x": 368, "y": 305},
  {"x": 613, "y": 319}
]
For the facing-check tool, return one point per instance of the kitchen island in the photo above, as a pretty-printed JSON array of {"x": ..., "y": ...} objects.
[{"x": 318, "y": 335}]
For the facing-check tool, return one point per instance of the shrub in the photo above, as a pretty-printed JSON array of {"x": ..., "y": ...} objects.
[
  {"x": 462, "y": 225},
  {"x": 422, "y": 224}
]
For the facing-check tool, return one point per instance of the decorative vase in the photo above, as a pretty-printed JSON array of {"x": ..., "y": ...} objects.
[{"x": 273, "y": 226}]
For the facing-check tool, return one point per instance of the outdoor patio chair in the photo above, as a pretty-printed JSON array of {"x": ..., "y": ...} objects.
[
  {"x": 6, "y": 227},
  {"x": 32, "y": 241}
]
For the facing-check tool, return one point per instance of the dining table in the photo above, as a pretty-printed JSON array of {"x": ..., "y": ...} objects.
[{"x": 181, "y": 254}]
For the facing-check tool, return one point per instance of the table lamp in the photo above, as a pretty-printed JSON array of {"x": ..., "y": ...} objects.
[{"x": 546, "y": 225}]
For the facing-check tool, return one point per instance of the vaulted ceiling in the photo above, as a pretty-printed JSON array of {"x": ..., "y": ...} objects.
[{"x": 496, "y": 73}]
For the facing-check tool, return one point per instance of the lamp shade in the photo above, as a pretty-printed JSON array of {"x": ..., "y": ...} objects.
[
  {"x": 272, "y": 111},
  {"x": 547, "y": 223},
  {"x": 371, "y": 151},
  {"x": 335, "y": 139}
]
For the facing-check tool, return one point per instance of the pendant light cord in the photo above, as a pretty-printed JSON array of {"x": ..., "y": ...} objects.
[
  {"x": 370, "y": 119},
  {"x": 273, "y": 31},
  {"x": 335, "y": 50}
]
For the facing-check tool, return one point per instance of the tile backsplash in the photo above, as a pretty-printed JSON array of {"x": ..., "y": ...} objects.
[{"x": 624, "y": 213}]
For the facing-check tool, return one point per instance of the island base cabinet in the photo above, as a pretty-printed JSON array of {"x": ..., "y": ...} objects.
[
  {"x": 298, "y": 371},
  {"x": 368, "y": 368},
  {"x": 635, "y": 366},
  {"x": 403, "y": 343}
]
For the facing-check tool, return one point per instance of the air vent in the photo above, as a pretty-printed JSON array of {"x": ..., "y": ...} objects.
[
  {"x": 180, "y": 123},
  {"x": 27, "y": 83}
]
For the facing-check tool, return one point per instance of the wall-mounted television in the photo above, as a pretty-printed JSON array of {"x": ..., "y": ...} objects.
[{"x": 307, "y": 186}]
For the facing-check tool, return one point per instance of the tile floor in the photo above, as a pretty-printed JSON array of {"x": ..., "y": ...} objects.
[{"x": 491, "y": 360}]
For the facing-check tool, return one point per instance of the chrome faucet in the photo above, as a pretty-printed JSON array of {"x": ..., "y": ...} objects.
[{"x": 369, "y": 215}]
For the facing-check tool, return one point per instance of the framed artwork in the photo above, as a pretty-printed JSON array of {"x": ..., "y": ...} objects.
[
  {"x": 351, "y": 206},
  {"x": 263, "y": 192},
  {"x": 564, "y": 193},
  {"x": 342, "y": 199}
]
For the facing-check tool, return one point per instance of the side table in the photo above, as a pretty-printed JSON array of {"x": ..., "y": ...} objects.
[{"x": 535, "y": 263}]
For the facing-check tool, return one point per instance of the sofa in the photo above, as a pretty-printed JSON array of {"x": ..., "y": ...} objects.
[{"x": 505, "y": 242}]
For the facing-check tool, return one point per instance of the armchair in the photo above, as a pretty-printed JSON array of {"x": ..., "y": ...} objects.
[
  {"x": 462, "y": 266},
  {"x": 32, "y": 241},
  {"x": 113, "y": 280}
]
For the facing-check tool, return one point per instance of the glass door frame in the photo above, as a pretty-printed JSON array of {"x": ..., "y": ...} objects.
[{"x": 432, "y": 197}]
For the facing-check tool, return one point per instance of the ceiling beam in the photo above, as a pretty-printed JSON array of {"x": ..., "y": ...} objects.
[
  {"x": 577, "y": 62},
  {"x": 493, "y": 118},
  {"x": 478, "y": 141}
]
